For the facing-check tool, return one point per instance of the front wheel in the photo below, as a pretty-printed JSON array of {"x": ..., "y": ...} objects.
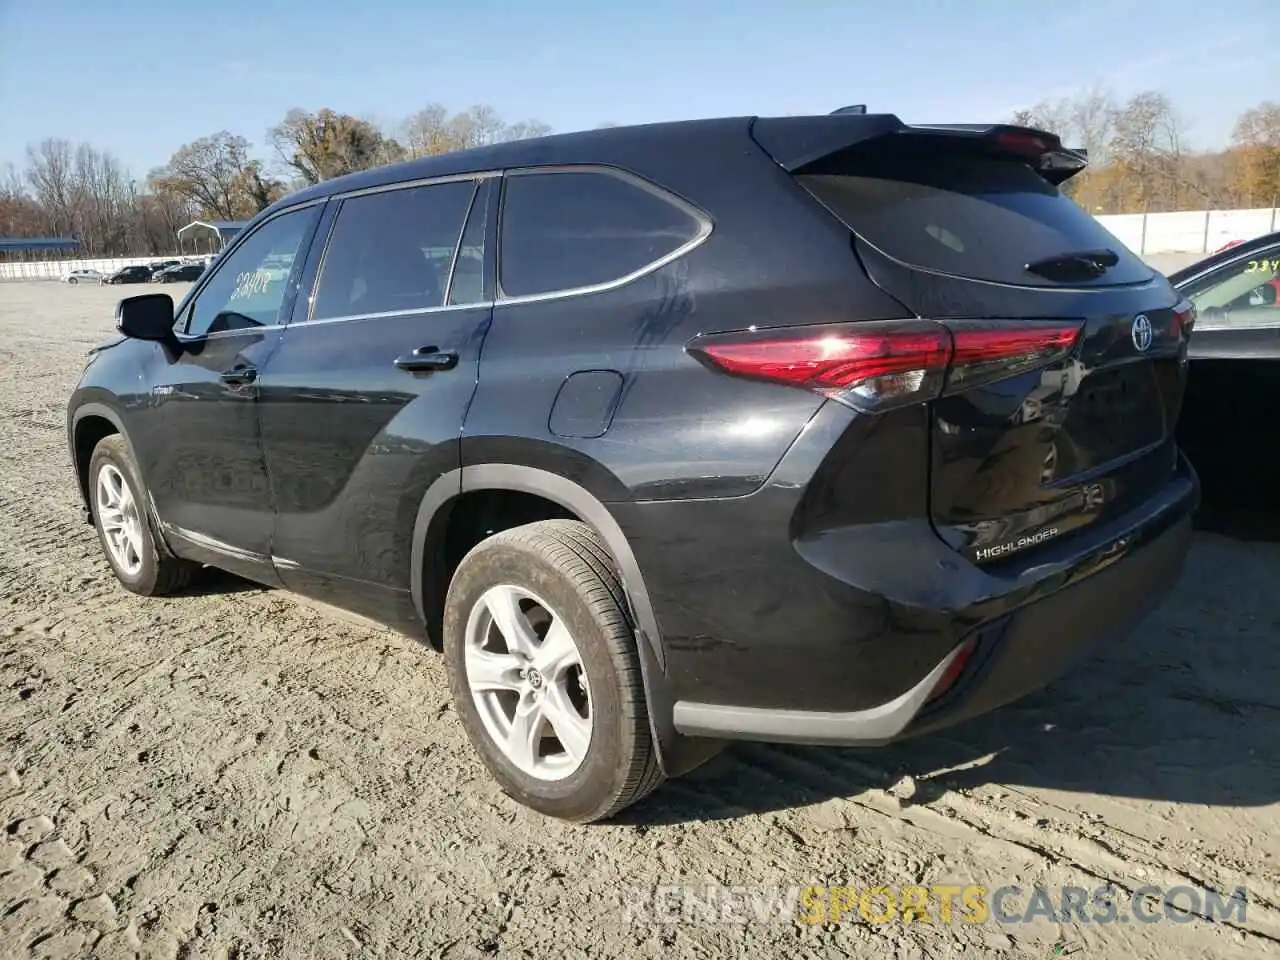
[
  {"x": 118, "y": 500},
  {"x": 72, "y": 280},
  {"x": 545, "y": 673}
]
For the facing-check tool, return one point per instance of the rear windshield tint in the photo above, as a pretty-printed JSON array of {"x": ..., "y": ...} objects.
[{"x": 974, "y": 217}]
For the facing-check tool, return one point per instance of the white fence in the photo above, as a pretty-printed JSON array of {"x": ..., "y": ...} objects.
[
  {"x": 1192, "y": 231},
  {"x": 1187, "y": 232},
  {"x": 57, "y": 269}
]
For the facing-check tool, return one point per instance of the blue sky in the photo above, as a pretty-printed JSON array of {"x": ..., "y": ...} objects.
[{"x": 141, "y": 77}]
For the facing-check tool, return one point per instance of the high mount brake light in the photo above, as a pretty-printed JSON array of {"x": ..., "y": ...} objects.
[
  {"x": 1029, "y": 144},
  {"x": 874, "y": 365}
]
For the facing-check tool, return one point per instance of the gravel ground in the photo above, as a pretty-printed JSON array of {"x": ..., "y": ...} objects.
[{"x": 237, "y": 774}]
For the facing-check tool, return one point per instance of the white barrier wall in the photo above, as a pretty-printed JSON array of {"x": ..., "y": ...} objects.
[
  {"x": 1193, "y": 231},
  {"x": 1189, "y": 232},
  {"x": 57, "y": 269}
]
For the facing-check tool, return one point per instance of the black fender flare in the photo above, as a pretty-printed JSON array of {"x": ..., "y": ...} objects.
[
  {"x": 92, "y": 408},
  {"x": 95, "y": 408},
  {"x": 676, "y": 753}
]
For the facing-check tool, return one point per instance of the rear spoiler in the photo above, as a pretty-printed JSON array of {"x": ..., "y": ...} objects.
[{"x": 797, "y": 143}]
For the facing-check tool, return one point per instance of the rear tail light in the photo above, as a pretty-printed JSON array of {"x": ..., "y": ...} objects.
[
  {"x": 875, "y": 365},
  {"x": 1184, "y": 318}
]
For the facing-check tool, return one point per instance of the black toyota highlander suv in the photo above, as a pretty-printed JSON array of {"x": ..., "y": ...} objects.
[{"x": 822, "y": 429}]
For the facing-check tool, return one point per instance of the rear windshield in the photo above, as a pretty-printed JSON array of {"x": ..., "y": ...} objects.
[{"x": 976, "y": 217}]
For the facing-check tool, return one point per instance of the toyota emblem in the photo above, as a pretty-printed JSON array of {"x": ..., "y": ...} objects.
[{"x": 1141, "y": 333}]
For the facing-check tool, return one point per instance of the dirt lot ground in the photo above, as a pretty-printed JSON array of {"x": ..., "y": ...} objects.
[{"x": 234, "y": 774}]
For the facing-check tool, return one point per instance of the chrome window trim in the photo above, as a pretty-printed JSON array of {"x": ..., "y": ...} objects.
[
  {"x": 703, "y": 220},
  {"x": 417, "y": 311},
  {"x": 226, "y": 334},
  {"x": 410, "y": 184},
  {"x": 705, "y": 227},
  {"x": 189, "y": 300}
]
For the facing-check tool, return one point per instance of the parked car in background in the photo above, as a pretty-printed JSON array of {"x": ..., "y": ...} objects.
[
  {"x": 160, "y": 266},
  {"x": 1232, "y": 405},
  {"x": 139, "y": 273},
  {"x": 183, "y": 271},
  {"x": 671, "y": 434},
  {"x": 83, "y": 276}
]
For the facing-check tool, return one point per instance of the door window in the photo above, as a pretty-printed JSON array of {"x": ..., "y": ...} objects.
[
  {"x": 1243, "y": 294},
  {"x": 251, "y": 282},
  {"x": 469, "y": 283},
  {"x": 391, "y": 252},
  {"x": 565, "y": 230}
]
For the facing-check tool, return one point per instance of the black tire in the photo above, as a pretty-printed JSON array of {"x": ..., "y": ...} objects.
[
  {"x": 566, "y": 563},
  {"x": 160, "y": 572},
  {"x": 72, "y": 280}
]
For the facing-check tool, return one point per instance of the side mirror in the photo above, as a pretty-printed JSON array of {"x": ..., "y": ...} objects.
[
  {"x": 1267, "y": 294},
  {"x": 146, "y": 317}
]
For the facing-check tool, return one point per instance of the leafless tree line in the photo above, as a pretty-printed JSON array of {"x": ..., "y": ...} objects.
[
  {"x": 1140, "y": 160},
  {"x": 64, "y": 189}
]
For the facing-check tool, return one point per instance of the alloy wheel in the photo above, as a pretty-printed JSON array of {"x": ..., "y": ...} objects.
[
  {"x": 120, "y": 520},
  {"x": 528, "y": 682}
]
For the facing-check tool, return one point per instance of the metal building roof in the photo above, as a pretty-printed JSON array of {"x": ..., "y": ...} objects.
[
  {"x": 224, "y": 228},
  {"x": 38, "y": 243}
]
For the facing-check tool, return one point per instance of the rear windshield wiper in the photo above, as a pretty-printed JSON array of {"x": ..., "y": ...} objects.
[{"x": 1077, "y": 265}]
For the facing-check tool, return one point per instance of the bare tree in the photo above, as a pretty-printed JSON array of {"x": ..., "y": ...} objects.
[
  {"x": 218, "y": 176},
  {"x": 1051, "y": 116},
  {"x": 20, "y": 215},
  {"x": 432, "y": 130},
  {"x": 1256, "y": 149},
  {"x": 49, "y": 174},
  {"x": 1147, "y": 143}
]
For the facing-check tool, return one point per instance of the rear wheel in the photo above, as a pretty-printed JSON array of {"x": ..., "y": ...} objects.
[
  {"x": 118, "y": 499},
  {"x": 545, "y": 674}
]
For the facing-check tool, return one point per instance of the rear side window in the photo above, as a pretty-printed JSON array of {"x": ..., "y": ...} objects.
[
  {"x": 391, "y": 252},
  {"x": 563, "y": 230},
  {"x": 976, "y": 217},
  {"x": 469, "y": 282}
]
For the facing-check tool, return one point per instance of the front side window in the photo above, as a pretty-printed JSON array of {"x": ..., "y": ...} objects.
[
  {"x": 564, "y": 230},
  {"x": 1243, "y": 294},
  {"x": 250, "y": 285},
  {"x": 391, "y": 252}
]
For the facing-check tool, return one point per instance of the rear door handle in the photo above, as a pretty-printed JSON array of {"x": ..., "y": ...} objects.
[
  {"x": 238, "y": 375},
  {"x": 426, "y": 359}
]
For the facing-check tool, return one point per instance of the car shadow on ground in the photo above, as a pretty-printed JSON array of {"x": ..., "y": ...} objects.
[
  {"x": 214, "y": 582},
  {"x": 1184, "y": 711}
]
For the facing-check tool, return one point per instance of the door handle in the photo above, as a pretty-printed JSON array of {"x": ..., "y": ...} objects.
[
  {"x": 426, "y": 359},
  {"x": 239, "y": 375}
]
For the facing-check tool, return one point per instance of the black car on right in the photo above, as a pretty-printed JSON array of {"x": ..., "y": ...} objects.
[
  {"x": 138, "y": 273},
  {"x": 183, "y": 271},
  {"x": 1233, "y": 401}
]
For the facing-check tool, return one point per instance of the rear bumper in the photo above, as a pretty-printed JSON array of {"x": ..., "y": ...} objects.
[
  {"x": 845, "y": 642},
  {"x": 1015, "y": 655}
]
